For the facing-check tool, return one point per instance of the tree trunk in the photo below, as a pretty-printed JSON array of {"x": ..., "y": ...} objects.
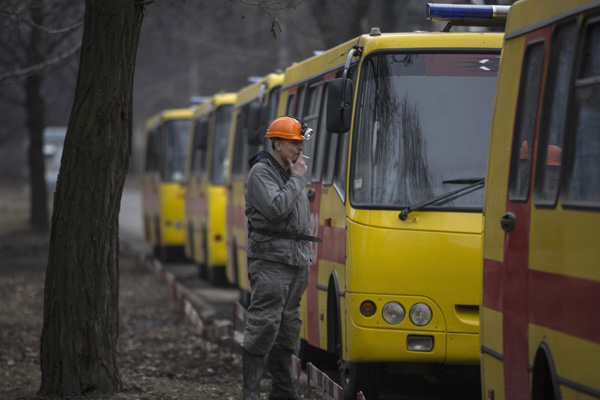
[
  {"x": 35, "y": 121},
  {"x": 81, "y": 310}
]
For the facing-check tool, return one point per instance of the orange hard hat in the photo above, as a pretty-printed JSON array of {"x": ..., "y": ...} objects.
[
  {"x": 290, "y": 128},
  {"x": 554, "y": 155},
  {"x": 525, "y": 151}
]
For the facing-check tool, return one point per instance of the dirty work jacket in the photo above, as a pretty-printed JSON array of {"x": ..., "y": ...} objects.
[{"x": 277, "y": 203}]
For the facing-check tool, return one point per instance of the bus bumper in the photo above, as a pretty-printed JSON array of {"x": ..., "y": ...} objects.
[{"x": 389, "y": 345}]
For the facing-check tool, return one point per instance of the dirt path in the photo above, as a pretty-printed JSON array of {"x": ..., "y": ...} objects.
[{"x": 160, "y": 354}]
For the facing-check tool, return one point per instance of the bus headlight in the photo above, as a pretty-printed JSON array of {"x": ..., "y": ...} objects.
[
  {"x": 420, "y": 314},
  {"x": 393, "y": 313}
]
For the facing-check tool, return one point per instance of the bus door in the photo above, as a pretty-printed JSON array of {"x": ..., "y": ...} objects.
[
  {"x": 309, "y": 106},
  {"x": 197, "y": 166},
  {"x": 516, "y": 220}
]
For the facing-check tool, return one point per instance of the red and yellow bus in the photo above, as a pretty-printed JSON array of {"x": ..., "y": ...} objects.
[
  {"x": 395, "y": 183},
  {"x": 255, "y": 107},
  {"x": 166, "y": 138},
  {"x": 540, "y": 335},
  {"x": 206, "y": 199}
]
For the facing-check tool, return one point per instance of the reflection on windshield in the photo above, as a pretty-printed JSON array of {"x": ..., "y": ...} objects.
[
  {"x": 423, "y": 126},
  {"x": 175, "y": 144}
]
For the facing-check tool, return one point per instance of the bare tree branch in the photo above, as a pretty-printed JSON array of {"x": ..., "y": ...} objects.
[
  {"x": 27, "y": 20},
  {"x": 22, "y": 73}
]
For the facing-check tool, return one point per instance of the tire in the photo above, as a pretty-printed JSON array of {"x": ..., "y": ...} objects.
[
  {"x": 217, "y": 276},
  {"x": 202, "y": 271},
  {"x": 356, "y": 377},
  {"x": 310, "y": 354}
]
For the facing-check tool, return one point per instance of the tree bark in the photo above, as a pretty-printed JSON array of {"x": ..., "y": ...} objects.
[
  {"x": 35, "y": 107},
  {"x": 81, "y": 310}
]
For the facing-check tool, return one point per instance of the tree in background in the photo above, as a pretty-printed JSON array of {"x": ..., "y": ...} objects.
[{"x": 33, "y": 45}]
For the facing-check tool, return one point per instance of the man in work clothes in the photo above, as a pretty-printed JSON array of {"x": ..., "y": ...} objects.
[{"x": 279, "y": 256}]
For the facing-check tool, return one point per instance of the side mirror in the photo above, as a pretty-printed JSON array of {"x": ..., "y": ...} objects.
[
  {"x": 339, "y": 105},
  {"x": 254, "y": 124}
]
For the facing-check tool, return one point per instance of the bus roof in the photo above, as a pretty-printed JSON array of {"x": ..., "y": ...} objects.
[
  {"x": 529, "y": 15},
  {"x": 164, "y": 115},
  {"x": 214, "y": 102},
  {"x": 250, "y": 92},
  {"x": 334, "y": 58}
]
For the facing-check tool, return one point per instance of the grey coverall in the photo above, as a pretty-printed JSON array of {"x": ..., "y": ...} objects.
[{"x": 278, "y": 267}]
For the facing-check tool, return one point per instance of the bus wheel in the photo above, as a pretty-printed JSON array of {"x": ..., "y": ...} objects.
[
  {"x": 310, "y": 354},
  {"x": 202, "y": 271},
  {"x": 357, "y": 377},
  {"x": 544, "y": 385},
  {"x": 217, "y": 276}
]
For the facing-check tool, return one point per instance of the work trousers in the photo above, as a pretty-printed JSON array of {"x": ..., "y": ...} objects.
[{"x": 273, "y": 315}]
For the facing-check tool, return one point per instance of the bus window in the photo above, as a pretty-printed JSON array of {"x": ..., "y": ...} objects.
[
  {"x": 300, "y": 102},
  {"x": 273, "y": 101},
  {"x": 175, "y": 142},
  {"x": 311, "y": 114},
  {"x": 199, "y": 152},
  {"x": 238, "y": 158},
  {"x": 320, "y": 136},
  {"x": 290, "y": 104},
  {"x": 554, "y": 114},
  {"x": 527, "y": 110},
  {"x": 583, "y": 183},
  {"x": 418, "y": 115},
  {"x": 152, "y": 152},
  {"x": 341, "y": 166},
  {"x": 219, "y": 148},
  {"x": 332, "y": 143}
]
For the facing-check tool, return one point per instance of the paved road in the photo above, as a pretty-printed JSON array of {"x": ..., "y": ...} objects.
[{"x": 216, "y": 303}]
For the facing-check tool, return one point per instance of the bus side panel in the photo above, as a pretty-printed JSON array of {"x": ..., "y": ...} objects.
[
  {"x": 495, "y": 202},
  {"x": 216, "y": 226},
  {"x": 172, "y": 214}
]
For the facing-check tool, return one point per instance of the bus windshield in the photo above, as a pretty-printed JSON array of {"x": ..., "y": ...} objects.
[
  {"x": 175, "y": 147},
  {"x": 221, "y": 138},
  {"x": 422, "y": 129}
]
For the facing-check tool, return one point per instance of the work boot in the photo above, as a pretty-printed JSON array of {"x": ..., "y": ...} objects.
[
  {"x": 252, "y": 372},
  {"x": 280, "y": 366}
]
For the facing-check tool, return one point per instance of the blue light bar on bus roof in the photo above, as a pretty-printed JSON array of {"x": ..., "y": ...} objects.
[{"x": 465, "y": 12}]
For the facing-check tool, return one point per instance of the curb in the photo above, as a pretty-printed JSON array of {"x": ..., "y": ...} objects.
[{"x": 221, "y": 330}]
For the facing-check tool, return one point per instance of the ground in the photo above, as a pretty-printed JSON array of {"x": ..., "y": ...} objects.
[{"x": 160, "y": 355}]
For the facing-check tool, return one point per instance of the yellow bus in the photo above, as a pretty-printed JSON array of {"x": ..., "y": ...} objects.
[
  {"x": 540, "y": 332},
  {"x": 395, "y": 183},
  {"x": 166, "y": 137},
  {"x": 255, "y": 107},
  {"x": 206, "y": 172}
]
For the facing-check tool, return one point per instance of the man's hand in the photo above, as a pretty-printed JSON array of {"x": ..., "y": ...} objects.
[{"x": 299, "y": 167}]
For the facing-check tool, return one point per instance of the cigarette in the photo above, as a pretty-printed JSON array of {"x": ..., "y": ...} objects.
[{"x": 305, "y": 156}]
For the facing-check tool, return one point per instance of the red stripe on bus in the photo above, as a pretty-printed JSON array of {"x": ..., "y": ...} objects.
[
  {"x": 312, "y": 296},
  {"x": 334, "y": 244},
  {"x": 492, "y": 289},
  {"x": 237, "y": 217},
  {"x": 565, "y": 304}
]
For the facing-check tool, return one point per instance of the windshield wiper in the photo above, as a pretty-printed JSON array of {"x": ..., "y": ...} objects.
[
  {"x": 404, "y": 213},
  {"x": 464, "y": 180}
]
